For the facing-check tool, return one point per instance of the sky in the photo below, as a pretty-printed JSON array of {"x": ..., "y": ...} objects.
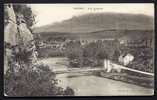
[{"x": 51, "y": 13}]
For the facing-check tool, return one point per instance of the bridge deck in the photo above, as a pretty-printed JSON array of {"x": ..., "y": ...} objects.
[{"x": 75, "y": 70}]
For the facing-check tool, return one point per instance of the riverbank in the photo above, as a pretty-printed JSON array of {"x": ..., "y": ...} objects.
[{"x": 86, "y": 84}]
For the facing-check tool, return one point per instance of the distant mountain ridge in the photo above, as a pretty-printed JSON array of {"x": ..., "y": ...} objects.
[{"x": 100, "y": 21}]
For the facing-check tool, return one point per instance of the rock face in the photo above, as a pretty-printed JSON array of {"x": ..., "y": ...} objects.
[
  {"x": 10, "y": 31},
  {"x": 24, "y": 32},
  {"x": 10, "y": 28},
  {"x": 18, "y": 40}
]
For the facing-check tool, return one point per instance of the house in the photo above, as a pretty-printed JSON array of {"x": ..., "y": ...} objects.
[{"x": 125, "y": 60}]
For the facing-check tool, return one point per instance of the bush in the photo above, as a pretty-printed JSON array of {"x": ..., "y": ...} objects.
[
  {"x": 37, "y": 81},
  {"x": 143, "y": 59},
  {"x": 74, "y": 52}
]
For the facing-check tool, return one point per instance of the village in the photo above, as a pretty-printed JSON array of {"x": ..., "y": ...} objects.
[{"x": 122, "y": 44}]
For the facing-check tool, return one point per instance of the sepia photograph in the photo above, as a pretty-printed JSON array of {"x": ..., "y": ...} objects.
[{"x": 78, "y": 49}]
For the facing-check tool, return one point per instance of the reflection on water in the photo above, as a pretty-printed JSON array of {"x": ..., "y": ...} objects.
[{"x": 93, "y": 85}]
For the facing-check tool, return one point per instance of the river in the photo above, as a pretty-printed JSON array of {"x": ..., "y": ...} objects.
[{"x": 93, "y": 85}]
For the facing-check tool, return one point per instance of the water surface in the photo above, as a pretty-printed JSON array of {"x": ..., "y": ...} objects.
[{"x": 93, "y": 85}]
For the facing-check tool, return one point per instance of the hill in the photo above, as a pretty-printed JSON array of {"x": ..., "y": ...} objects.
[{"x": 99, "y": 21}]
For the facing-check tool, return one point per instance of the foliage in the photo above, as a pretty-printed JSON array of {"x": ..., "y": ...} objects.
[
  {"x": 143, "y": 59},
  {"x": 74, "y": 51},
  {"x": 39, "y": 81},
  {"x": 90, "y": 54},
  {"x": 27, "y": 13},
  {"x": 25, "y": 78}
]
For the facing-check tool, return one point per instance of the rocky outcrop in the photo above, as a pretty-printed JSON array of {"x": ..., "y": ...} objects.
[
  {"x": 20, "y": 57},
  {"x": 10, "y": 29},
  {"x": 10, "y": 33},
  {"x": 18, "y": 39},
  {"x": 24, "y": 32}
]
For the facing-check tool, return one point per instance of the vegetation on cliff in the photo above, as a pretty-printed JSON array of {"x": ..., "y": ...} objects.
[{"x": 25, "y": 76}]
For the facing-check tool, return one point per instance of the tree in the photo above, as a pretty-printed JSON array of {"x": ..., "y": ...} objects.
[
  {"x": 37, "y": 82},
  {"x": 29, "y": 16}
]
